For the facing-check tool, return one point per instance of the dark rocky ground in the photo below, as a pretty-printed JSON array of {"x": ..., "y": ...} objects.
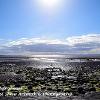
[{"x": 87, "y": 75}]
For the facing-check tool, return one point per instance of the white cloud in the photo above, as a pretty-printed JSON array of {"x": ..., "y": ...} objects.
[
  {"x": 89, "y": 43},
  {"x": 31, "y": 41},
  {"x": 90, "y": 38},
  {"x": 70, "y": 41}
]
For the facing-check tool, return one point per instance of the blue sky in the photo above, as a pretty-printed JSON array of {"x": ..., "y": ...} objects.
[{"x": 21, "y": 19}]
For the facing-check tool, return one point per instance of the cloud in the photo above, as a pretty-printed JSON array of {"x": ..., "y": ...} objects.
[
  {"x": 71, "y": 41},
  {"x": 89, "y": 43},
  {"x": 27, "y": 41},
  {"x": 83, "y": 39}
]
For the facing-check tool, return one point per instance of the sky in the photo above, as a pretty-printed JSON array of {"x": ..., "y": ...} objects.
[{"x": 63, "y": 22}]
